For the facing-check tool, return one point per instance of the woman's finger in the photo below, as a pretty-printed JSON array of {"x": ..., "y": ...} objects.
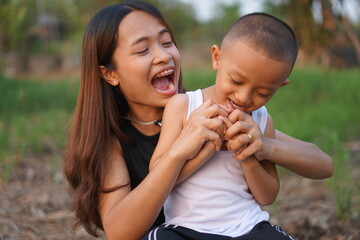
[
  {"x": 214, "y": 124},
  {"x": 248, "y": 151},
  {"x": 238, "y": 127},
  {"x": 238, "y": 143},
  {"x": 209, "y": 110}
]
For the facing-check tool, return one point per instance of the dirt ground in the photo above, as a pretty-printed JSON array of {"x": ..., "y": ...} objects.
[{"x": 34, "y": 205}]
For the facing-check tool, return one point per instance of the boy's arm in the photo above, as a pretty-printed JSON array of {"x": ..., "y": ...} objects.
[{"x": 262, "y": 177}]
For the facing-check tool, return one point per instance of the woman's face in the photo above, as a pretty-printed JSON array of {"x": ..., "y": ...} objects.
[{"x": 147, "y": 62}]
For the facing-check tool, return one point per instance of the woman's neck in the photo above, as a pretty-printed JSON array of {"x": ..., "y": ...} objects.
[{"x": 140, "y": 115}]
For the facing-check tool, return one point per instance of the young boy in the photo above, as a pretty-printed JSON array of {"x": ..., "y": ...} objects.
[{"x": 222, "y": 198}]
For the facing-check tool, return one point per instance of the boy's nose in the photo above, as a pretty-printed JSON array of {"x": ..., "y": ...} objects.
[{"x": 244, "y": 98}]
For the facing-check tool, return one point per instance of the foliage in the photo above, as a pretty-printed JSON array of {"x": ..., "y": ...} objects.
[
  {"x": 181, "y": 17},
  {"x": 43, "y": 27},
  {"x": 329, "y": 38}
]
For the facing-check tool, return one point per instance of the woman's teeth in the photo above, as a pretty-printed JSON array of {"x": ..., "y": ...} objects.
[{"x": 165, "y": 73}]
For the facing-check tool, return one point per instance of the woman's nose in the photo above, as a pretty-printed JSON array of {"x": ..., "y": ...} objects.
[{"x": 161, "y": 55}]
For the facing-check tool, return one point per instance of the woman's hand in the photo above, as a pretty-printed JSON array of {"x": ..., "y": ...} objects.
[
  {"x": 182, "y": 138},
  {"x": 202, "y": 127},
  {"x": 189, "y": 143}
]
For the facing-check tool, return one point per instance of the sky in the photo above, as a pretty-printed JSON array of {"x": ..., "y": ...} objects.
[{"x": 205, "y": 8}]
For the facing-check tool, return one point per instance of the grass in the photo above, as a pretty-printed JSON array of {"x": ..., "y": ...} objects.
[
  {"x": 318, "y": 105},
  {"x": 34, "y": 118}
]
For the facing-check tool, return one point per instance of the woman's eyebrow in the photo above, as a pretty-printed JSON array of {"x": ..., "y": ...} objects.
[{"x": 163, "y": 31}]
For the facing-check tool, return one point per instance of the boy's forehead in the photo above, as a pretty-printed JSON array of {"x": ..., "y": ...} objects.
[
  {"x": 240, "y": 59},
  {"x": 231, "y": 43}
]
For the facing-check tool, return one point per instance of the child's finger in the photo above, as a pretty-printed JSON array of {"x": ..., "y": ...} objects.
[{"x": 237, "y": 115}]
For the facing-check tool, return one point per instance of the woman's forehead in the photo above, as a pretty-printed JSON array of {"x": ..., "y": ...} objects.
[{"x": 138, "y": 25}]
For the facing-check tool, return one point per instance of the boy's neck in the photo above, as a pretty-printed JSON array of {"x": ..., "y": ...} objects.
[{"x": 210, "y": 93}]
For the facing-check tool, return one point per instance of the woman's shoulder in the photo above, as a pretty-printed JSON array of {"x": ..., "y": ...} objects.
[{"x": 178, "y": 101}]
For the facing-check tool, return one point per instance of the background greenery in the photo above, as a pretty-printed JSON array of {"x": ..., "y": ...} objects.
[
  {"x": 320, "y": 105},
  {"x": 51, "y": 31}
]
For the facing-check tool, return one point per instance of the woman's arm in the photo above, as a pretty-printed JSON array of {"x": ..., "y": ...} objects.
[
  {"x": 134, "y": 211},
  {"x": 129, "y": 214},
  {"x": 303, "y": 158}
]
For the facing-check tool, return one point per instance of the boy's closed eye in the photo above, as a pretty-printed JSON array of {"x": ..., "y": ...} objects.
[
  {"x": 235, "y": 82},
  {"x": 264, "y": 95},
  {"x": 142, "y": 52}
]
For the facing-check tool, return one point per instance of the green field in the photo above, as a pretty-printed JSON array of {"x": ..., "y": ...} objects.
[{"x": 318, "y": 105}]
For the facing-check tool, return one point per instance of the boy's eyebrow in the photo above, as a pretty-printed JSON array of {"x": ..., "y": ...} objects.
[
  {"x": 145, "y": 38},
  {"x": 238, "y": 73}
]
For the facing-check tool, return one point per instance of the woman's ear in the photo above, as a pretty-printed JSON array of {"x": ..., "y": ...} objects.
[
  {"x": 215, "y": 56},
  {"x": 109, "y": 76}
]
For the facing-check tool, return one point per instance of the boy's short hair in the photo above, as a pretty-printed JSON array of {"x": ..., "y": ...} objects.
[{"x": 268, "y": 34}]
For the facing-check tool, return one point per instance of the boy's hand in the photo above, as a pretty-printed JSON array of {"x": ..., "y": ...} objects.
[{"x": 243, "y": 135}]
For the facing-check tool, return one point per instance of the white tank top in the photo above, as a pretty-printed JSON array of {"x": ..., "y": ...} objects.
[{"x": 216, "y": 198}]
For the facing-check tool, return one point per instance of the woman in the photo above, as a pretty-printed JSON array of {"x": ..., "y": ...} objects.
[{"x": 130, "y": 69}]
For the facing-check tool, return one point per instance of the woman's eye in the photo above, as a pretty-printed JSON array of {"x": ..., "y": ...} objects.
[{"x": 167, "y": 43}]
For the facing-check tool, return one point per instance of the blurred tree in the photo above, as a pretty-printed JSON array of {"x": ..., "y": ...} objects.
[
  {"x": 31, "y": 28},
  {"x": 12, "y": 15},
  {"x": 226, "y": 15},
  {"x": 336, "y": 20},
  {"x": 55, "y": 27},
  {"x": 328, "y": 39},
  {"x": 181, "y": 17}
]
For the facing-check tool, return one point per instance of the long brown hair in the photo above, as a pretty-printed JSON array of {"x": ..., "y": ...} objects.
[{"x": 96, "y": 122}]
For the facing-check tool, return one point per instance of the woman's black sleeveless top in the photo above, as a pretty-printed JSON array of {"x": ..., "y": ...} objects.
[{"x": 137, "y": 155}]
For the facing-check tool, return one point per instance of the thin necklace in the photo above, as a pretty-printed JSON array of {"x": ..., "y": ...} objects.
[{"x": 155, "y": 122}]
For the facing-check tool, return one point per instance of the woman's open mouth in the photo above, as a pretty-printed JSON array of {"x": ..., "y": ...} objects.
[{"x": 164, "y": 83}]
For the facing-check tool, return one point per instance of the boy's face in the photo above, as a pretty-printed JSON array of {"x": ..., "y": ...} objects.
[{"x": 246, "y": 78}]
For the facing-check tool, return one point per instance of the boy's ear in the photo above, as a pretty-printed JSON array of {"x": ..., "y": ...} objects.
[
  {"x": 215, "y": 56},
  {"x": 109, "y": 76},
  {"x": 286, "y": 82}
]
